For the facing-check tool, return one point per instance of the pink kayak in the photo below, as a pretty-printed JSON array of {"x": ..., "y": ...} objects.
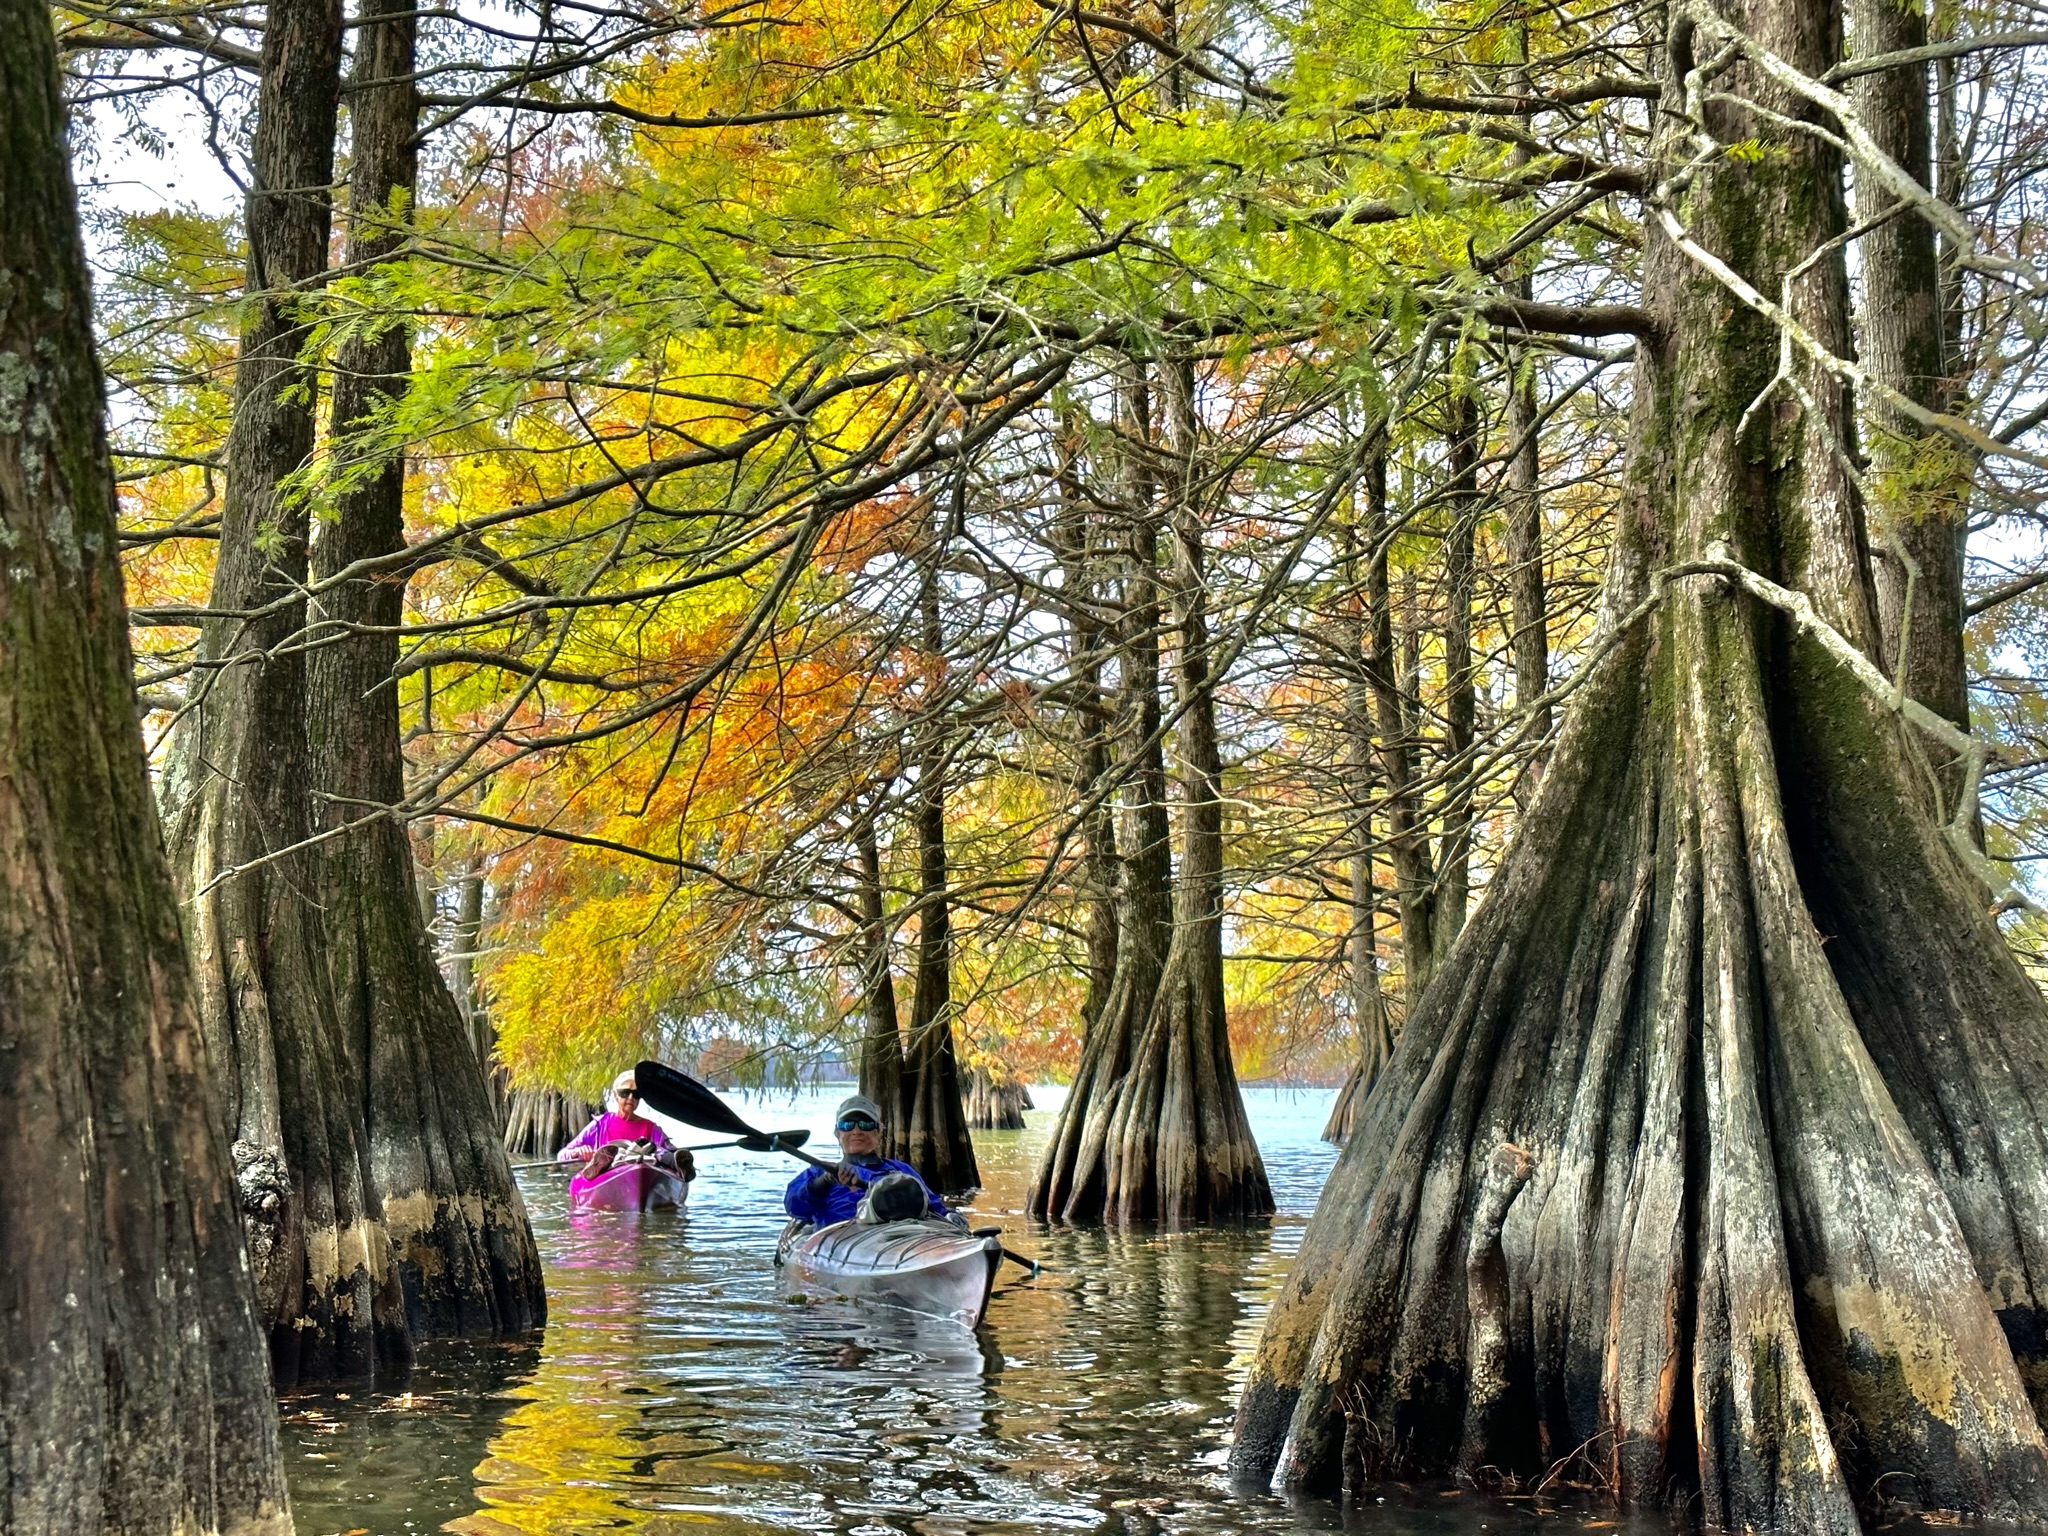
[{"x": 630, "y": 1186}]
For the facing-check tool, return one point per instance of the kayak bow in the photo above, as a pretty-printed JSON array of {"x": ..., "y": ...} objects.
[
  {"x": 629, "y": 1186},
  {"x": 929, "y": 1267}
]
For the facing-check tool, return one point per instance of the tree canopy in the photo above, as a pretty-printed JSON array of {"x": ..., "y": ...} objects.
[{"x": 786, "y": 381}]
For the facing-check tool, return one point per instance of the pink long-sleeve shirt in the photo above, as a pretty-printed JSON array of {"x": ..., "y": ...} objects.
[{"x": 614, "y": 1127}]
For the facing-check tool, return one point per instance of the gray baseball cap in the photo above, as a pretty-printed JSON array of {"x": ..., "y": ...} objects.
[{"x": 858, "y": 1104}]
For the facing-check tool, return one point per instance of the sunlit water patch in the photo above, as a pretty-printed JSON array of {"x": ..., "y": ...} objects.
[{"x": 678, "y": 1390}]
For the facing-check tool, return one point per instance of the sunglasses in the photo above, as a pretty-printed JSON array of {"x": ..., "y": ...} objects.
[
  {"x": 856, "y": 1123},
  {"x": 625, "y": 1093}
]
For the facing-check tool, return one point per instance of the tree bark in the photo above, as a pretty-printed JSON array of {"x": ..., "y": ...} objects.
[
  {"x": 881, "y": 1041},
  {"x": 1175, "y": 1146},
  {"x": 1921, "y": 482},
  {"x": 239, "y": 779},
  {"x": 1454, "y": 851},
  {"x": 134, "y": 1392},
  {"x": 463, "y": 1247},
  {"x": 935, "y": 1138},
  {"x": 1778, "y": 1077}
]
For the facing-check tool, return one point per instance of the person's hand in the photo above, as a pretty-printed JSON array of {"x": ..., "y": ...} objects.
[
  {"x": 820, "y": 1182},
  {"x": 849, "y": 1174},
  {"x": 580, "y": 1154}
]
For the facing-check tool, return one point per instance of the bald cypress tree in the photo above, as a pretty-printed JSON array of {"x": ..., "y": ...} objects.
[
  {"x": 134, "y": 1393},
  {"x": 1716, "y": 1153},
  {"x": 460, "y": 1242}
]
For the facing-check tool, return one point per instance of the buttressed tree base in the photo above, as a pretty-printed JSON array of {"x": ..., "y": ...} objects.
[
  {"x": 134, "y": 1394},
  {"x": 1712, "y": 1167}
]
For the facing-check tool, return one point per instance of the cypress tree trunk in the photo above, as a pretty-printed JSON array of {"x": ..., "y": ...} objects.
[
  {"x": 464, "y": 982},
  {"x": 1717, "y": 1155},
  {"x": 1407, "y": 838},
  {"x": 1175, "y": 1146},
  {"x": 1454, "y": 852},
  {"x": 134, "y": 1393},
  {"x": 540, "y": 1121},
  {"x": 464, "y": 1251},
  {"x": 1081, "y": 588},
  {"x": 995, "y": 1104},
  {"x": 1368, "y": 1000},
  {"x": 239, "y": 781},
  {"x": 1921, "y": 483},
  {"x": 1079, "y": 1174},
  {"x": 935, "y": 1138},
  {"x": 881, "y": 1042},
  {"x": 1530, "y": 643}
]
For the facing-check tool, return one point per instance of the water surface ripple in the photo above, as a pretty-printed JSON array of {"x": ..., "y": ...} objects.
[{"x": 678, "y": 1390}]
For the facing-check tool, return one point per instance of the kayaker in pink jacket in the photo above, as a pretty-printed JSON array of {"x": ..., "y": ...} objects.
[{"x": 621, "y": 1126}]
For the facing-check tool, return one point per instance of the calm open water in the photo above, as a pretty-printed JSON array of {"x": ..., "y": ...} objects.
[{"x": 677, "y": 1392}]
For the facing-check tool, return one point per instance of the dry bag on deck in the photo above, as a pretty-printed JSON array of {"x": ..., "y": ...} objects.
[{"x": 892, "y": 1197}]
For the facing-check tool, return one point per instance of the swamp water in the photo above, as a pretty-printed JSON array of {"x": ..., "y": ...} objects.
[{"x": 678, "y": 1391}]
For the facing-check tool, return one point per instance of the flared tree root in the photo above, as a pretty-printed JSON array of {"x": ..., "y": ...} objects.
[{"x": 1713, "y": 1163}]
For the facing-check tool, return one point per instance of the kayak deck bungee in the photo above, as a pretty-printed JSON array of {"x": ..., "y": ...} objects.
[
  {"x": 629, "y": 1186},
  {"x": 926, "y": 1266}
]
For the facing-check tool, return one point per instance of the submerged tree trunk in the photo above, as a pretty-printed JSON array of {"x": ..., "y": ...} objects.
[
  {"x": 134, "y": 1393},
  {"x": 1077, "y": 1178},
  {"x": 995, "y": 1104},
  {"x": 458, "y": 1229},
  {"x": 1715, "y": 1161},
  {"x": 1176, "y": 1147},
  {"x": 934, "y": 1137},
  {"x": 540, "y": 1121},
  {"x": 239, "y": 778}
]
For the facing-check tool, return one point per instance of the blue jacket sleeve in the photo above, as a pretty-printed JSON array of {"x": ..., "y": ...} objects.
[{"x": 798, "y": 1199}]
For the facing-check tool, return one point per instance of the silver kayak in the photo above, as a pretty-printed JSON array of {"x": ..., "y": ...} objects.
[{"x": 929, "y": 1267}]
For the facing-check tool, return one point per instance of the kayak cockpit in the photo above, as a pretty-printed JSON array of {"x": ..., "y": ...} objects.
[{"x": 925, "y": 1266}]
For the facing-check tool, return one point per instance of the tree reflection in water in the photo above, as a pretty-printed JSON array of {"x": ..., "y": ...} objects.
[
  {"x": 680, "y": 1390},
  {"x": 403, "y": 1458}
]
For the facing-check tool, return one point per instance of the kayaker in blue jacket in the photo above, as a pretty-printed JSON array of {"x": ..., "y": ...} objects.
[{"x": 823, "y": 1196}]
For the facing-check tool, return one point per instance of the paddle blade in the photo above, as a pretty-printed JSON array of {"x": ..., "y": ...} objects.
[
  {"x": 775, "y": 1141},
  {"x": 668, "y": 1092}
]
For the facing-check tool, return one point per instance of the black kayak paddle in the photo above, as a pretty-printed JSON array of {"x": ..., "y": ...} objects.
[{"x": 681, "y": 1097}]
